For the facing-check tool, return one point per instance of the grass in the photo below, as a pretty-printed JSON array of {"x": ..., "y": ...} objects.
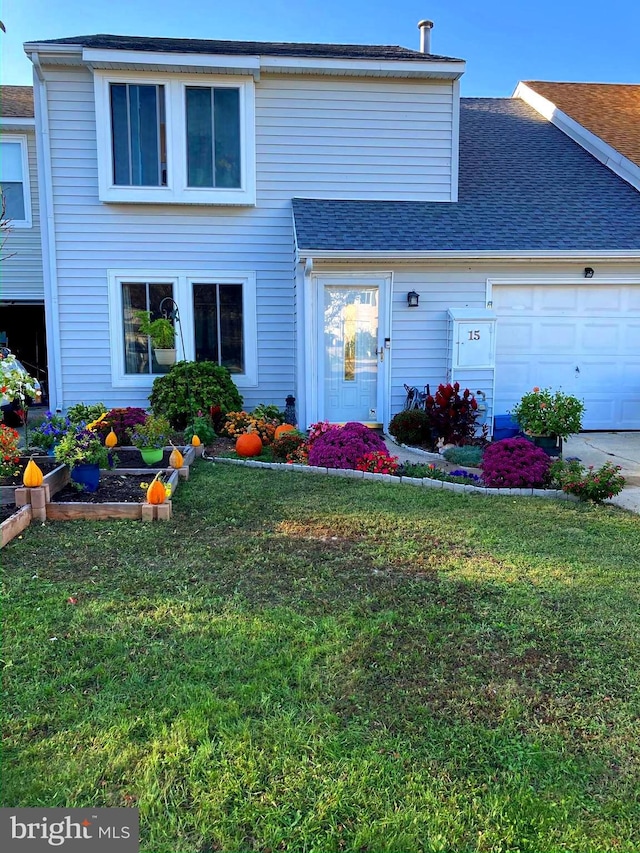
[{"x": 320, "y": 664}]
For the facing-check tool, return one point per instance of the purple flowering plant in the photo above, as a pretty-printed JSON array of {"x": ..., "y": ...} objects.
[
  {"x": 50, "y": 431},
  {"x": 514, "y": 463},
  {"x": 344, "y": 446}
]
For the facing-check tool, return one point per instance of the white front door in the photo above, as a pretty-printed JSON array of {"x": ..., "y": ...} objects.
[{"x": 352, "y": 351}]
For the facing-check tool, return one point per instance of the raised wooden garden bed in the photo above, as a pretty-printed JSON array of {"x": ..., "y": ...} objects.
[
  {"x": 13, "y": 526},
  {"x": 54, "y": 478}
]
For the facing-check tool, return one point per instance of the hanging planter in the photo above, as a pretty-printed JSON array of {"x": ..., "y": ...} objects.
[{"x": 165, "y": 357}]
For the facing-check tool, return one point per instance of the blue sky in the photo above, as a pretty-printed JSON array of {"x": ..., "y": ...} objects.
[{"x": 503, "y": 42}]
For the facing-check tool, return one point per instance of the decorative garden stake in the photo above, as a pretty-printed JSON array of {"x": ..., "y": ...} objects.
[{"x": 290, "y": 411}]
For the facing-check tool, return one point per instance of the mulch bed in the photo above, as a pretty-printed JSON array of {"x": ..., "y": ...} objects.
[
  {"x": 113, "y": 488},
  {"x": 220, "y": 445},
  {"x": 133, "y": 459},
  {"x": 44, "y": 465}
]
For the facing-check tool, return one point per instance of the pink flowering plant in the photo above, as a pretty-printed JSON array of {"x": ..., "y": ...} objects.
[
  {"x": 514, "y": 463},
  {"x": 378, "y": 462},
  {"x": 588, "y": 484}
]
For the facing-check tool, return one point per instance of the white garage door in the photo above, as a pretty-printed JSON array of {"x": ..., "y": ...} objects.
[{"x": 584, "y": 340}]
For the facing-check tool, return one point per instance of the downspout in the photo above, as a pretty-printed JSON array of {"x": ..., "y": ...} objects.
[{"x": 48, "y": 232}]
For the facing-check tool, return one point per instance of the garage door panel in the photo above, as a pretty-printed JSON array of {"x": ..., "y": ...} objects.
[{"x": 545, "y": 332}]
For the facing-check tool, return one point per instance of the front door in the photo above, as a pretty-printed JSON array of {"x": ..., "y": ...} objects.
[{"x": 352, "y": 354}]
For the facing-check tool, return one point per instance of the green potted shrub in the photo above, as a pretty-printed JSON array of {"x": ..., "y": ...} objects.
[
  {"x": 549, "y": 417},
  {"x": 162, "y": 334},
  {"x": 151, "y": 437},
  {"x": 83, "y": 451}
]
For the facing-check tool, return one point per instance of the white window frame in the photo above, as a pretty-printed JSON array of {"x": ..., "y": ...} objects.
[
  {"x": 182, "y": 282},
  {"x": 176, "y": 191},
  {"x": 22, "y": 140}
]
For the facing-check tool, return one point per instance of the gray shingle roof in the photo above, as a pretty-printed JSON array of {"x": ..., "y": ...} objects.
[
  {"x": 16, "y": 101},
  {"x": 524, "y": 185},
  {"x": 251, "y": 48}
]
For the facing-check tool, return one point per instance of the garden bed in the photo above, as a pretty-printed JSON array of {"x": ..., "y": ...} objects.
[
  {"x": 45, "y": 463},
  {"x": 119, "y": 496},
  {"x": 56, "y": 476}
]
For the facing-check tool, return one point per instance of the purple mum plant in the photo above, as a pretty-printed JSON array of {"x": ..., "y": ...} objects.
[
  {"x": 343, "y": 447},
  {"x": 514, "y": 463}
]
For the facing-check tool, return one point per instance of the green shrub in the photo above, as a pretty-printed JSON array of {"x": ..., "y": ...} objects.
[
  {"x": 468, "y": 454},
  {"x": 268, "y": 413},
  {"x": 412, "y": 427},
  {"x": 190, "y": 387},
  {"x": 588, "y": 484},
  {"x": 81, "y": 413},
  {"x": 288, "y": 443},
  {"x": 200, "y": 426}
]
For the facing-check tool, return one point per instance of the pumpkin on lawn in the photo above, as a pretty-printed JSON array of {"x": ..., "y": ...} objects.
[
  {"x": 249, "y": 444},
  {"x": 156, "y": 492},
  {"x": 33, "y": 476},
  {"x": 280, "y": 430}
]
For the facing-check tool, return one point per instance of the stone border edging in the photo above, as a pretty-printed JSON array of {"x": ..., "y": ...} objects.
[{"x": 426, "y": 482}]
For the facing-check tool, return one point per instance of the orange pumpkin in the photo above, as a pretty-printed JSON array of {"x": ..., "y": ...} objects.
[
  {"x": 176, "y": 460},
  {"x": 249, "y": 444},
  {"x": 33, "y": 476},
  {"x": 282, "y": 429},
  {"x": 156, "y": 493},
  {"x": 111, "y": 440},
  {"x": 195, "y": 441}
]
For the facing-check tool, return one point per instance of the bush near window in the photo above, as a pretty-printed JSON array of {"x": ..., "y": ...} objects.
[
  {"x": 343, "y": 447},
  {"x": 191, "y": 386},
  {"x": 514, "y": 463},
  {"x": 412, "y": 427}
]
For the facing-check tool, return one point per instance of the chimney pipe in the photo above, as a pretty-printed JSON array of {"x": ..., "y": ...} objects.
[{"x": 425, "y": 28}]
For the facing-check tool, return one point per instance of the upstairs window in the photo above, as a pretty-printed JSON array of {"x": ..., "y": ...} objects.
[
  {"x": 14, "y": 181},
  {"x": 138, "y": 135},
  {"x": 171, "y": 138},
  {"x": 213, "y": 137}
]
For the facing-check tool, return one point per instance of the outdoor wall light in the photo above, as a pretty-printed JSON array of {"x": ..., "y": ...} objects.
[
  {"x": 588, "y": 272},
  {"x": 413, "y": 299}
]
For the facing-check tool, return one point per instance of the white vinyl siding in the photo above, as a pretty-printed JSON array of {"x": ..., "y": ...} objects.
[
  {"x": 335, "y": 137},
  {"x": 21, "y": 273}
]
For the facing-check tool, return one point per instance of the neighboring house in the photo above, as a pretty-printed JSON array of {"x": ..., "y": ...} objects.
[
  {"x": 289, "y": 197},
  {"x": 602, "y": 117},
  {"x": 22, "y": 315}
]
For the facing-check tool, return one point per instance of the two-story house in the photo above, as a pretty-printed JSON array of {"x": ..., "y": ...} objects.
[
  {"x": 22, "y": 312},
  {"x": 333, "y": 221}
]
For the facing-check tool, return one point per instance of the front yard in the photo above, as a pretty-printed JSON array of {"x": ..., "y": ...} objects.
[{"x": 304, "y": 663}]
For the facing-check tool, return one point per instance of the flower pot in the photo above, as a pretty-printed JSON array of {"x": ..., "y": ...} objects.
[
  {"x": 165, "y": 357},
  {"x": 551, "y": 444},
  {"x": 152, "y": 455},
  {"x": 88, "y": 476}
]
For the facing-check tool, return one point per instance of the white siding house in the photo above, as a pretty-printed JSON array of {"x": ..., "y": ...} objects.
[{"x": 290, "y": 254}]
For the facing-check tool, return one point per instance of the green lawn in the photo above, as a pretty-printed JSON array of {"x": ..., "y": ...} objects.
[{"x": 303, "y": 663}]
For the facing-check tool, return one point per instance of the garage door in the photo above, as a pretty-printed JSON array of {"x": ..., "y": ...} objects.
[{"x": 584, "y": 340}]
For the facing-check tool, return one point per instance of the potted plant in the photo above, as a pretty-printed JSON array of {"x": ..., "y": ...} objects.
[
  {"x": 151, "y": 437},
  {"x": 549, "y": 417},
  {"x": 162, "y": 334},
  {"x": 83, "y": 451},
  {"x": 49, "y": 432}
]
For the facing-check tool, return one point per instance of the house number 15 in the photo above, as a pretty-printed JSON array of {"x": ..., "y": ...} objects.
[{"x": 474, "y": 335}]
